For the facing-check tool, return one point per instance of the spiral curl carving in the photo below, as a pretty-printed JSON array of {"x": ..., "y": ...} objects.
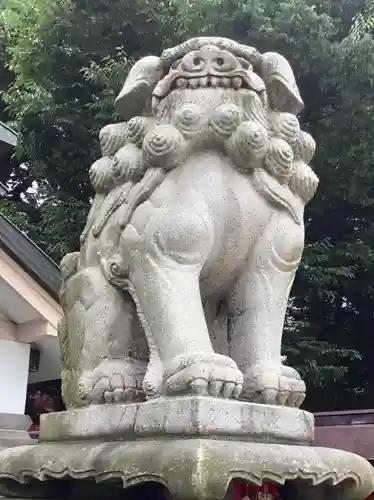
[
  {"x": 116, "y": 274},
  {"x": 112, "y": 137},
  {"x": 279, "y": 159},
  {"x": 226, "y": 120},
  {"x": 304, "y": 181},
  {"x": 127, "y": 164},
  {"x": 248, "y": 145},
  {"x": 101, "y": 174},
  {"x": 189, "y": 120},
  {"x": 163, "y": 147},
  {"x": 136, "y": 130},
  {"x": 305, "y": 147},
  {"x": 285, "y": 126}
]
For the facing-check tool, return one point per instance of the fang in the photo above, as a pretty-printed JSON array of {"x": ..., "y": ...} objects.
[
  {"x": 181, "y": 83},
  {"x": 236, "y": 82}
]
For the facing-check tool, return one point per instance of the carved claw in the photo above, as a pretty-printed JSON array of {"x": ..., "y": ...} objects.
[
  {"x": 203, "y": 374},
  {"x": 275, "y": 385},
  {"x": 152, "y": 383},
  {"x": 113, "y": 381}
]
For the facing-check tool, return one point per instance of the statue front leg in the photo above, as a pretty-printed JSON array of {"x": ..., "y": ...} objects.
[
  {"x": 167, "y": 248},
  {"x": 257, "y": 312}
]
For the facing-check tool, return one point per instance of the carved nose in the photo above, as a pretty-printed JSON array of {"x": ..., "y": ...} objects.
[{"x": 209, "y": 58}]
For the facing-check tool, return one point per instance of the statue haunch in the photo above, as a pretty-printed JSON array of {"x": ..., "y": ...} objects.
[{"x": 195, "y": 233}]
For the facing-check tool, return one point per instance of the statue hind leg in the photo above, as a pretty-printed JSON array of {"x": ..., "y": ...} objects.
[
  {"x": 257, "y": 311},
  {"x": 103, "y": 318}
]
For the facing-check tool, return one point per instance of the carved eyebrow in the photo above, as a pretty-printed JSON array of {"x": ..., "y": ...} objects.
[
  {"x": 175, "y": 63},
  {"x": 247, "y": 53},
  {"x": 244, "y": 62}
]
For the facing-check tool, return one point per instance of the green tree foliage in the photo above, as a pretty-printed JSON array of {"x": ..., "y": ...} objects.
[
  {"x": 363, "y": 22},
  {"x": 68, "y": 60},
  {"x": 64, "y": 69}
]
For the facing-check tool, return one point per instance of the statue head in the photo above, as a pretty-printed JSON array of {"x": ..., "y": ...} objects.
[
  {"x": 212, "y": 93},
  {"x": 207, "y": 64}
]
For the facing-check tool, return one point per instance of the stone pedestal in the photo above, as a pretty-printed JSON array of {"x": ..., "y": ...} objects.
[
  {"x": 180, "y": 448},
  {"x": 186, "y": 416},
  {"x": 13, "y": 430},
  {"x": 188, "y": 468}
]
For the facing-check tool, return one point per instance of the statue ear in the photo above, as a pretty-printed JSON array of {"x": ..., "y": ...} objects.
[
  {"x": 136, "y": 94},
  {"x": 280, "y": 82}
]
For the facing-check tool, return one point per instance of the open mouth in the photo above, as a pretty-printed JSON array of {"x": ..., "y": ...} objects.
[{"x": 177, "y": 80}]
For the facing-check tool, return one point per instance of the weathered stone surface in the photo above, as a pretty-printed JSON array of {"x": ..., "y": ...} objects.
[
  {"x": 190, "y": 468},
  {"x": 188, "y": 416},
  {"x": 100, "y": 421},
  {"x": 195, "y": 233}
]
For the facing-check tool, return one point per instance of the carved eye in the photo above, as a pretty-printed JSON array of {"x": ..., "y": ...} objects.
[
  {"x": 220, "y": 61},
  {"x": 197, "y": 61}
]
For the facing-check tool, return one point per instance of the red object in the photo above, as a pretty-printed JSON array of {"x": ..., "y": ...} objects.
[{"x": 253, "y": 492}]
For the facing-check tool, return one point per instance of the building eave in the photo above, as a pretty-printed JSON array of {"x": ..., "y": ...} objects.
[
  {"x": 8, "y": 135},
  {"x": 30, "y": 257},
  {"x": 18, "y": 245}
]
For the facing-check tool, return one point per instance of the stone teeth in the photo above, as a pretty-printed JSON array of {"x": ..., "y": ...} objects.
[
  {"x": 237, "y": 82},
  {"x": 194, "y": 83},
  {"x": 214, "y": 81},
  {"x": 181, "y": 83}
]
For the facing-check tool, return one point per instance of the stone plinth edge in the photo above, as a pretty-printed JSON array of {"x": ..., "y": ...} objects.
[
  {"x": 189, "y": 468},
  {"x": 187, "y": 417}
]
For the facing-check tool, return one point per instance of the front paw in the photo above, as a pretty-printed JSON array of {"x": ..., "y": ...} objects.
[
  {"x": 113, "y": 381},
  {"x": 273, "y": 384},
  {"x": 152, "y": 383},
  {"x": 203, "y": 374}
]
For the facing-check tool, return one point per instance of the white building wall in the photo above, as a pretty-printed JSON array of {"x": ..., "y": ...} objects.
[{"x": 14, "y": 371}]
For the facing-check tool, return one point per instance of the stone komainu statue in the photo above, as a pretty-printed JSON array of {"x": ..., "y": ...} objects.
[{"x": 195, "y": 233}]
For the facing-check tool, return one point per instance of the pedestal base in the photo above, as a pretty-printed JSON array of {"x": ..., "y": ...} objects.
[
  {"x": 13, "y": 430},
  {"x": 188, "y": 469},
  {"x": 187, "y": 417}
]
